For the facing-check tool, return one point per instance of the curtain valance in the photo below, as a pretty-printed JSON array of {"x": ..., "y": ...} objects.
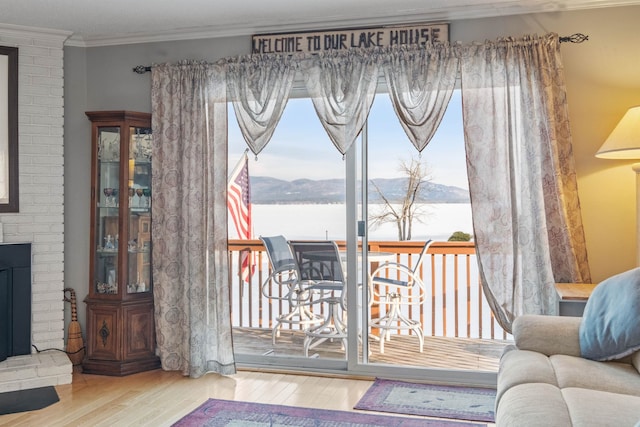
[
  {"x": 259, "y": 88},
  {"x": 342, "y": 86},
  {"x": 421, "y": 82}
]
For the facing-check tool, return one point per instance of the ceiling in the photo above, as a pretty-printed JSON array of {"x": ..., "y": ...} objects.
[{"x": 100, "y": 22}]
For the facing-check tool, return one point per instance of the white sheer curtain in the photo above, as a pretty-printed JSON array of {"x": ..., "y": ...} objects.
[
  {"x": 421, "y": 82},
  {"x": 259, "y": 87},
  {"x": 522, "y": 182},
  {"x": 190, "y": 260},
  {"x": 342, "y": 86}
]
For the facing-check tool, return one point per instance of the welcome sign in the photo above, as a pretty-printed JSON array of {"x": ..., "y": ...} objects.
[{"x": 314, "y": 42}]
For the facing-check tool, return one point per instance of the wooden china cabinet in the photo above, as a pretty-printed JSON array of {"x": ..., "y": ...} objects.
[{"x": 120, "y": 322}]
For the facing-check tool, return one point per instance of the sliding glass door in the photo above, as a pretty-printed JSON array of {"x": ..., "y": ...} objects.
[
  {"x": 302, "y": 188},
  {"x": 298, "y": 188}
]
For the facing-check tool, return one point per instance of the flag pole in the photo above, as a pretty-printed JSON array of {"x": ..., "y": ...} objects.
[{"x": 239, "y": 164}]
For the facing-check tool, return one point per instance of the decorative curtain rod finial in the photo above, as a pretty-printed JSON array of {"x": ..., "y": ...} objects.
[
  {"x": 574, "y": 38},
  {"x": 141, "y": 69}
]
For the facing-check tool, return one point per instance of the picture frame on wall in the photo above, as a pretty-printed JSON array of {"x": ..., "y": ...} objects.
[{"x": 9, "y": 129}]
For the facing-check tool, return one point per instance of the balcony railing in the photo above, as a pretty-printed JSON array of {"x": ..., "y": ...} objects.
[{"x": 455, "y": 304}]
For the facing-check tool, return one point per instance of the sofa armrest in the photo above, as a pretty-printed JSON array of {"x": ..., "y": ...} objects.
[{"x": 548, "y": 334}]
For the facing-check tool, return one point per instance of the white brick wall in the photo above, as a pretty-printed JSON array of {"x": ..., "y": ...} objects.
[{"x": 41, "y": 171}]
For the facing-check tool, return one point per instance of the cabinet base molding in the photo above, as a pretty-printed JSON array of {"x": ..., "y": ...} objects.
[{"x": 118, "y": 368}]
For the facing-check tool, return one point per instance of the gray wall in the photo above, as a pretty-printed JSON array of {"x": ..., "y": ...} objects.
[
  {"x": 112, "y": 85},
  {"x": 602, "y": 82},
  {"x": 77, "y": 179}
]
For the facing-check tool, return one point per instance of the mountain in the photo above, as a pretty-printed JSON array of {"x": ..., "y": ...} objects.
[{"x": 267, "y": 190}]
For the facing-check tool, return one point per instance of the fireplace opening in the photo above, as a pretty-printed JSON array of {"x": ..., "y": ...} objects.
[{"x": 15, "y": 300}]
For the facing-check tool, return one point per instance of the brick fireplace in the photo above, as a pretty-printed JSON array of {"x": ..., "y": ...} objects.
[{"x": 40, "y": 221}]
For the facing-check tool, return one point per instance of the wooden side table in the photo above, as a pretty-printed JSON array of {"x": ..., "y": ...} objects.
[{"x": 573, "y": 297}]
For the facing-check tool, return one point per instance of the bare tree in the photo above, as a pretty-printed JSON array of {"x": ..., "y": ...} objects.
[{"x": 404, "y": 212}]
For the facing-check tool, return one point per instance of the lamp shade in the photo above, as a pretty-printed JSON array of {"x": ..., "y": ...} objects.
[{"x": 624, "y": 141}]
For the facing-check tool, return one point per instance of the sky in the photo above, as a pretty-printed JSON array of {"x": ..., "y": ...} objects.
[{"x": 300, "y": 147}]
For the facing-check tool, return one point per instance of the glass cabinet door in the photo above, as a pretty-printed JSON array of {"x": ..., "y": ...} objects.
[
  {"x": 139, "y": 202},
  {"x": 107, "y": 206},
  {"x": 128, "y": 248}
]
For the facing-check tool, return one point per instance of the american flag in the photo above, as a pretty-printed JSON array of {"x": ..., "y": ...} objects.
[{"x": 239, "y": 204}]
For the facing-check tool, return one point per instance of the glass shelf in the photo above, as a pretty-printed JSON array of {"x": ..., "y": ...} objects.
[{"x": 107, "y": 252}]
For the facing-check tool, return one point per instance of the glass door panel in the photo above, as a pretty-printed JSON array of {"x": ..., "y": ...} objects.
[
  {"x": 139, "y": 202},
  {"x": 401, "y": 218},
  {"x": 107, "y": 217},
  {"x": 298, "y": 190}
]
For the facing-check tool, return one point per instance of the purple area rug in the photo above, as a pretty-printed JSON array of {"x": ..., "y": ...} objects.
[
  {"x": 216, "y": 412},
  {"x": 461, "y": 403}
]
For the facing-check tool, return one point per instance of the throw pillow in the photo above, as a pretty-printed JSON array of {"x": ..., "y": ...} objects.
[{"x": 610, "y": 327}]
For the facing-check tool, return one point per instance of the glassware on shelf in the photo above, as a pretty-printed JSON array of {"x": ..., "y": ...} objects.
[
  {"x": 108, "y": 193},
  {"x": 139, "y": 198},
  {"x": 109, "y": 145},
  {"x": 109, "y": 244},
  {"x": 110, "y": 197},
  {"x": 107, "y": 288},
  {"x": 146, "y": 193},
  {"x": 139, "y": 286},
  {"x": 142, "y": 146}
]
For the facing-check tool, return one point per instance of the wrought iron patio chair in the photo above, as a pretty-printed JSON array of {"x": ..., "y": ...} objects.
[
  {"x": 321, "y": 275},
  {"x": 283, "y": 285},
  {"x": 395, "y": 287}
]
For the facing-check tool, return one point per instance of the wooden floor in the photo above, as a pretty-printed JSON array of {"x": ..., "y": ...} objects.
[
  {"x": 439, "y": 352},
  {"x": 158, "y": 398}
]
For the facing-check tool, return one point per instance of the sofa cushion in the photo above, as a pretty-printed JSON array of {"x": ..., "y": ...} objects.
[
  {"x": 610, "y": 327},
  {"x": 612, "y": 377},
  {"x": 532, "y": 405},
  {"x": 593, "y": 408},
  {"x": 635, "y": 360},
  {"x": 522, "y": 367}
]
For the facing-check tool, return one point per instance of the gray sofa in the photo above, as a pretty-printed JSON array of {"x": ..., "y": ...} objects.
[{"x": 544, "y": 381}]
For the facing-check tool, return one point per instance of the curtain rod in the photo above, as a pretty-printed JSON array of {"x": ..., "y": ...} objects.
[{"x": 573, "y": 38}]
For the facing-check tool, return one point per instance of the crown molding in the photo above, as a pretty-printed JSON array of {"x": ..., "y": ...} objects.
[
  {"x": 19, "y": 31},
  {"x": 444, "y": 14},
  {"x": 234, "y": 30}
]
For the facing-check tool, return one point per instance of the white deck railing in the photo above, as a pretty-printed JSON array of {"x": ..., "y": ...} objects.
[{"x": 455, "y": 305}]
